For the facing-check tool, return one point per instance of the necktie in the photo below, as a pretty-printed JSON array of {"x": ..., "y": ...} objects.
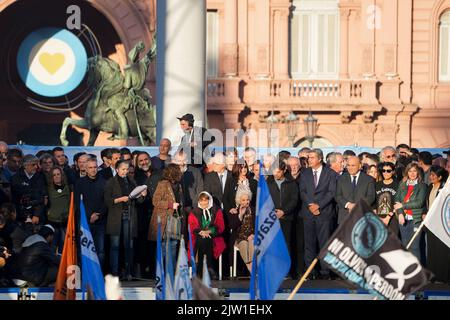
[
  {"x": 315, "y": 178},
  {"x": 354, "y": 183},
  {"x": 221, "y": 181}
]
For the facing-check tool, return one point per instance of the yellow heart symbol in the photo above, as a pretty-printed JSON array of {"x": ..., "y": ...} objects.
[{"x": 52, "y": 62}]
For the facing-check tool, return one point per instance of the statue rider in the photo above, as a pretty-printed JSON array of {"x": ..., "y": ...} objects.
[{"x": 134, "y": 82}]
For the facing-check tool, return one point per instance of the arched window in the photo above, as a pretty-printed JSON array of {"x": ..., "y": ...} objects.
[
  {"x": 444, "y": 47},
  {"x": 314, "y": 39}
]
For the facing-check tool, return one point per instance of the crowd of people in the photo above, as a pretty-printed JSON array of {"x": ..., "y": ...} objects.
[{"x": 213, "y": 203}]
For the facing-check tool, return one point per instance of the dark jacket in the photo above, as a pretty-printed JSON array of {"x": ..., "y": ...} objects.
[
  {"x": 29, "y": 193},
  {"x": 192, "y": 183},
  {"x": 214, "y": 188},
  {"x": 323, "y": 195},
  {"x": 365, "y": 189},
  {"x": 286, "y": 198},
  {"x": 235, "y": 224},
  {"x": 416, "y": 202},
  {"x": 93, "y": 191},
  {"x": 14, "y": 234},
  {"x": 229, "y": 199},
  {"x": 35, "y": 259},
  {"x": 58, "y": 204},
  {"x": 106, "y": 173},
  {"x": 114, "y": 220}
]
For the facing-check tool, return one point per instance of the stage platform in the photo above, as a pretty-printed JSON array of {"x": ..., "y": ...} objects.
[{"x": 238, "y": 290}]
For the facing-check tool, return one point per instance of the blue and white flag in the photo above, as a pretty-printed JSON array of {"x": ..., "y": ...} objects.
[
  {"x": 160, "y": 281},
  {"x": 191, "y": 251},
  {"x": 169, "y": 276},
  {"x": 91, "y": 272},
  {"x": 271, "y": 261},
  {"x": 206, "y": 279},
  {"x": 183, "y": 285}
]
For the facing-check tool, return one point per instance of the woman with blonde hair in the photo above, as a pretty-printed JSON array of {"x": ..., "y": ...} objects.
[{"x": 243, "y": 225}]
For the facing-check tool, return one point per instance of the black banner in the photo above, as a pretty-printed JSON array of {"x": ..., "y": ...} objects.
[{"x": 366, "y": 254}]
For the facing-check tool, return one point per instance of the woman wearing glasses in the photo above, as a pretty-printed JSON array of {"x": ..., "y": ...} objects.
[{"x": 386, "y": 189}]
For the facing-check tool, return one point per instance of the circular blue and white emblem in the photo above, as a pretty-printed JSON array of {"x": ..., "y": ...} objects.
[
  {"x": 52, "y": 62},
  {"x": 368, "y": 235},
  {"x": 445, "y": 214}
]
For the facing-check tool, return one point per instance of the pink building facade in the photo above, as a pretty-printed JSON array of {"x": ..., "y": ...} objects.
[{"x": 373, "y": 72}]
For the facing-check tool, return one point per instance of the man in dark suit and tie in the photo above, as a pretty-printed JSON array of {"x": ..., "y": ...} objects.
[
  {"x": 218, "y": 182},
  {"x": 353, "y": 186},
  {"x": 317, "y": 190},
  {"x": 113, "y": 155}
]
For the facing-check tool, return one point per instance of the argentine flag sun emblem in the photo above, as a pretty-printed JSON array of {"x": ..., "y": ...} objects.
[{"x": 52, "y": 62}]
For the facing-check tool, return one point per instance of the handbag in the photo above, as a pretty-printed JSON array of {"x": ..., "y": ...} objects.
[{"x": 173, "y": 226}]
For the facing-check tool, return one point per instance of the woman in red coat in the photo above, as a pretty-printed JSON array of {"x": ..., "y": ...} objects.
[{"x": 207, "y": 225}]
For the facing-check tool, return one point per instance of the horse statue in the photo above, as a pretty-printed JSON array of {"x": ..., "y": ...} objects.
[{"x": 120, "y": 104}]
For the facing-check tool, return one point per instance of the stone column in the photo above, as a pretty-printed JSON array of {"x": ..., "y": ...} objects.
[
  {"x": 345, "y": 15},
  {"x": 243, "y": 38},
  {"x": 230, "y": 31},
  {"x": 181, "y": 65},
  {"x": 280, "y": 43}
]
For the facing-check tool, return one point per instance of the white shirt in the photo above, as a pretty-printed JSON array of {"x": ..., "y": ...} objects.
[
  {"x": 351, "y": 181},
  {"x": 114, "y": 172},
  {"x": 319, "y": 172},
  {"x": 224, "y": 178}
]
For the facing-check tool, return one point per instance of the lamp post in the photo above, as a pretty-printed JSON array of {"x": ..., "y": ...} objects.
[
  {"x": 272, "y": 123},
  {"x": 292, "y": 126},
  {"x": 310, "y": 128}
]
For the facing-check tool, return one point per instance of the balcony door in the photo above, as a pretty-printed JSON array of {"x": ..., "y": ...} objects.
[{"x": 314, "y": 39}]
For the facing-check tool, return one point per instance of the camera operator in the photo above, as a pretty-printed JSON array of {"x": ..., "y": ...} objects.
[{"x": 29, "y": 192}]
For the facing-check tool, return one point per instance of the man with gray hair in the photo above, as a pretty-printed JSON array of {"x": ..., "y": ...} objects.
[
  {"x": 317, "y": 190},
  {"x": 335, "y": 161},
  {"x": 29, "y": 192},
  {"x": 218, "y": 182},
  {"x": 388, "y": 154}
]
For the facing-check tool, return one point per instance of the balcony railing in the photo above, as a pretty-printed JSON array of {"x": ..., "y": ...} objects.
[{"x": 292, "y": 92}]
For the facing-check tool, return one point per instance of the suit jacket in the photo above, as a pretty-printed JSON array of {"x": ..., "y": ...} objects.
[
  {"x": 323, "y": 195},
  {"x": 106, "y": 173},
  {"x": 213, "y": 187},
  {"x": 192, "y": 183},
  {"x": 286, "y": 198},
  {"x": 365, "y": 189}
]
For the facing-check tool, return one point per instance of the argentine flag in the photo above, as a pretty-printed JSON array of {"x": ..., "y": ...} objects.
[
  {"x": 91, "y": 272},
  {"x": 271, "y": 261}
]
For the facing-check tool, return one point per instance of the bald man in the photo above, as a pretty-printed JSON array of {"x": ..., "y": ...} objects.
[{"x": 353, "y": 186}]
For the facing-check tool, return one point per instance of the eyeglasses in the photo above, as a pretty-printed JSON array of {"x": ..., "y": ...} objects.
[{"x": 386, "y": 170}]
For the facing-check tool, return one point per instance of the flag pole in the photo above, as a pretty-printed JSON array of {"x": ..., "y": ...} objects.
[
  {"x": 415, "y": 235},
  {"x": 302, "y": 280}
]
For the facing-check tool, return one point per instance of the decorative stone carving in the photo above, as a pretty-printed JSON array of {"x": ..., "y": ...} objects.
[
  {"x": 230, "y": 59},
  {"x": 368, "y": 117},
  {"x": 345, "y": 116},
  {"x": 388, "y": 131}
]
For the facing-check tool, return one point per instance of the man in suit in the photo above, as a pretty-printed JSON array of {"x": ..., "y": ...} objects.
[
  {"x": 113, "y": 155},
  {"x": 317, "y": 190},
  {"x": 353, "y": 186},
  {"x": 284, "y": 192},
  {"x": 218, "y": 182},
  {"x": 194, "y": 141},
  {"x": 191, "y": 183}
]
